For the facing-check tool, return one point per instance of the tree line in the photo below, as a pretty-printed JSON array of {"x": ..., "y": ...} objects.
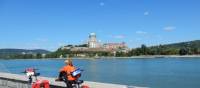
[
  {"x": 185, "y": 48},
  {"x": 143, "y": 50}
]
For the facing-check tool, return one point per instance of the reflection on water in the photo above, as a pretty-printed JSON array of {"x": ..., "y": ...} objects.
[{"x": 154, "y": 73}]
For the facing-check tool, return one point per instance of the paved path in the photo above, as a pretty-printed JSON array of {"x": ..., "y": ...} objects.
[
  {"x": 62, "y": 84},
  {"x": 3, "y": 87}
]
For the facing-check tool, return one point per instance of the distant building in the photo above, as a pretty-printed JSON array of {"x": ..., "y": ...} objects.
[
  {"x": 94, "y": 46},
  {"x": 79, "y": 49},
  {"x": 83, "y": 49},
  {"x": 43, "y": 55},
  {"x": 92, "y": 42},
  {"x": 114, "y": 46}
]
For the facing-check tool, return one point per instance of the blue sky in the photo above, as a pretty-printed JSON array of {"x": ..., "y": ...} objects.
[{"x": 48, "y": 24}]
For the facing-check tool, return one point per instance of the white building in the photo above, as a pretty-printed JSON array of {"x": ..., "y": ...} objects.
[{"x": 92, "y": 42}]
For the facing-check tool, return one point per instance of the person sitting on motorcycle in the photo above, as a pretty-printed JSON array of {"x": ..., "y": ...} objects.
[{"x": 65, "y": 72}]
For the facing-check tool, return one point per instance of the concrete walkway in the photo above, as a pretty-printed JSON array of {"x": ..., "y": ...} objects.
[
  {"x": 3, "y": 87},
  {"x": 23, "y": 79}
]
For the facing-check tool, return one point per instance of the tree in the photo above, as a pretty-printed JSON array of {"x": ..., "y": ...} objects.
[
  {"x": 38, "y": 55},
  {"x": 144, "y": 49},
  {"x": 183, "y": 51},
  {"x": 83, "y": 45},
  {"x": 138, "y": 51},
  {"x": 120, "y": 54}
]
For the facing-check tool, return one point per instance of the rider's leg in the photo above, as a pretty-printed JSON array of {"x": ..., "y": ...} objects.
[{"x": 61, "y": 76}]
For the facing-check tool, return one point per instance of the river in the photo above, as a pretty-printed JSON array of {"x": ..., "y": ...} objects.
[{"x": 153, "y": 73}]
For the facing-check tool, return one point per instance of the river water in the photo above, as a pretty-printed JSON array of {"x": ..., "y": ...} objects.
[{"x": 153, "y": 73}]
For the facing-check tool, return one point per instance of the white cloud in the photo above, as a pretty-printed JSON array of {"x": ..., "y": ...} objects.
[
  {"x": 146, "y": 13},
  {"x": 159, "y": 37},
  {"x": 61, "y": 44},
  {"x": 118, "y": 36},
  {"x": 169, "y": 28},
  {"x": 130, "y": 40},
  {"x": 101, "y": 3},
  {"x": 141, "y": 32},
  {"x": 41, "y": 39},
  {"x": 138, "y": 39},
  {"x": 32, "y": 46}
]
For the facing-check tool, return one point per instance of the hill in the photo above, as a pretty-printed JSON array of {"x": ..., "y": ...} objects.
[
  {"x": 182, "y": 48},
  {"x": 19, "y": 51},
  {"x": 5, "y": 53},
  {"x": 190, "y": 44}
]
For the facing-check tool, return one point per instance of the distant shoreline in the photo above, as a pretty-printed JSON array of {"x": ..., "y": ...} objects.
[
  {"x": 160, "y": 56},
  {"x": 132, "y": 57},
  {"x": 140, "y": 57}
]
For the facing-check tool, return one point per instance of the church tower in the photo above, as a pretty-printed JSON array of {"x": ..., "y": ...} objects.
[{"x": 93, "y": 43}]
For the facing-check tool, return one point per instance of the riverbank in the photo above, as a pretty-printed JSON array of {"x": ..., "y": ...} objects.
[
  {"x": 132, "y": 57},
  {"x": 140, "y": 57},
  {"x": 8, "y": 80}
]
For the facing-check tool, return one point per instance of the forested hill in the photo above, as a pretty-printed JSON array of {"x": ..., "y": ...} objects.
[
  {"x": 20, "y": 51},
  {"x": 191, "y": 47},
  {"x": 190, "y": 44}
]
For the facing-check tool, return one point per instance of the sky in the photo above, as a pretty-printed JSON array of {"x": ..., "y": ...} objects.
[{"x": 49, "y": 24}]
